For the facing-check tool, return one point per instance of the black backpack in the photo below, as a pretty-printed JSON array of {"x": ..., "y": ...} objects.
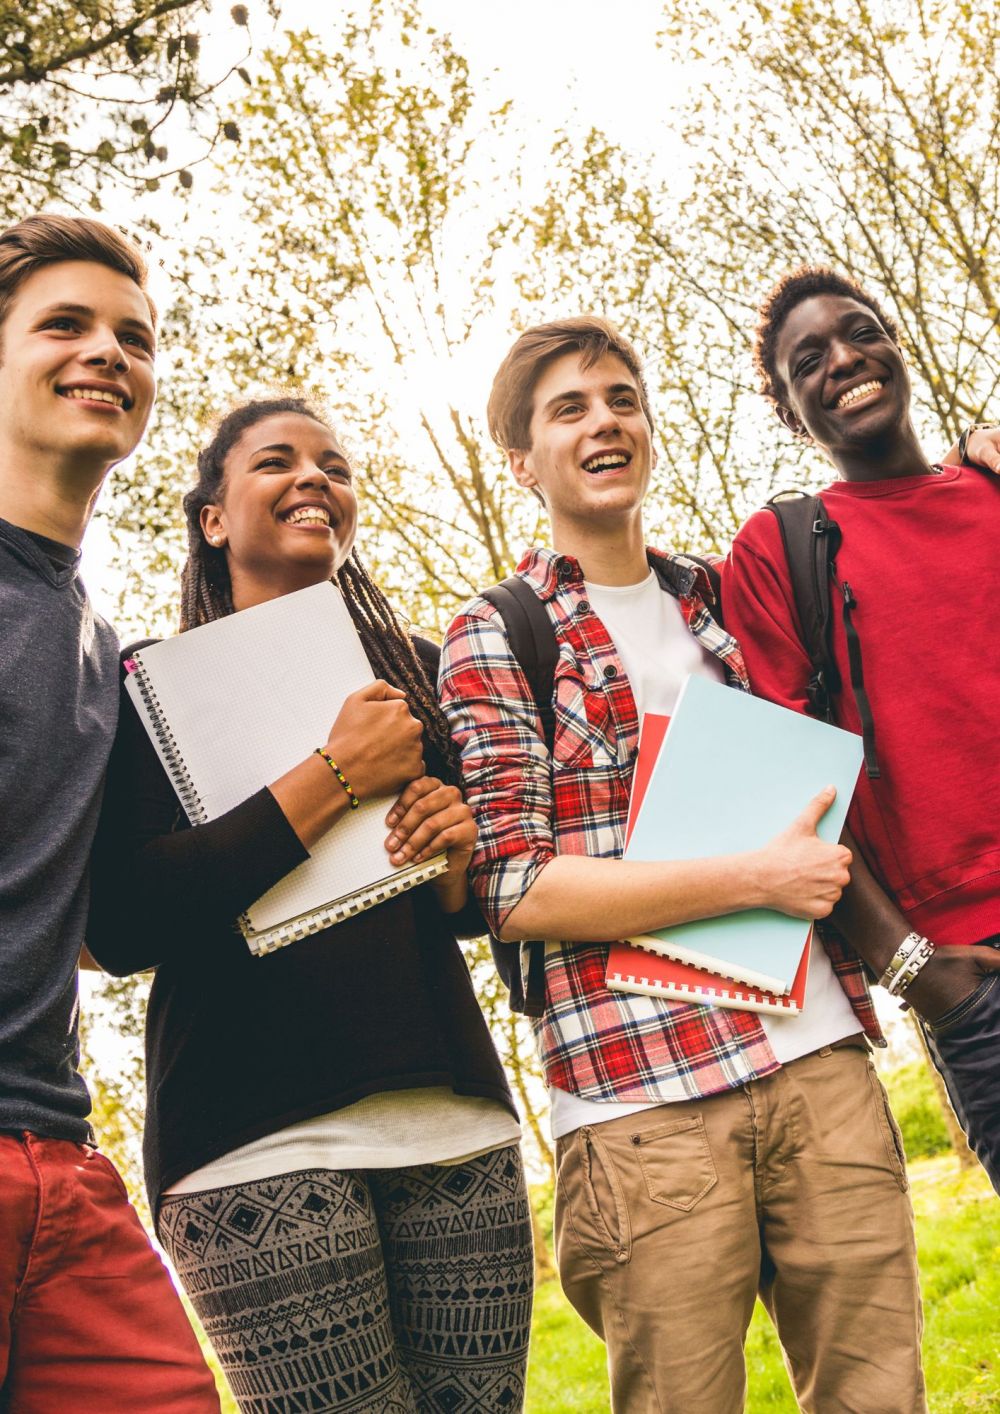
[
  {"x": 532, "y": 641},
  {"x": 811, "y": 540}
]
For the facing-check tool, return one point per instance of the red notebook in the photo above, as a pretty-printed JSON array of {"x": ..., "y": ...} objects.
[{"x": 632, "y": 969}]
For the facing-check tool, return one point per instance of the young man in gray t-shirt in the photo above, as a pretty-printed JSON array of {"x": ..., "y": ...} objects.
[{"x": 89, "y": 1319}]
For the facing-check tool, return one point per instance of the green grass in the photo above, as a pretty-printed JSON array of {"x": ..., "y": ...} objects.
[{"x": 958, "y": 1234}]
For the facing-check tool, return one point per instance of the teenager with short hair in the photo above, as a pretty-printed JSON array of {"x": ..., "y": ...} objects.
[
  {"x": 89, "y": 1318},
  {"x": 331, "y": 1146},
  {"x": 702, "y": 1154},
  {"x": 919, "y": 550}
]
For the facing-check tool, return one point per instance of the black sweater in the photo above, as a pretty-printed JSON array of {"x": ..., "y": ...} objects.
[{"x": 239, "y": 1046}]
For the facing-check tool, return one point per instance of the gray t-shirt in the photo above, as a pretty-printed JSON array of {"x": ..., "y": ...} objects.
[{"x": 58, "y": 712}]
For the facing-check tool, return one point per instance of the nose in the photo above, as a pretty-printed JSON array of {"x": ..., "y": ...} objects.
[
  {"x": 105, "y": 351},
  {"x": 604, "y": 418},
  {"x": 844, "y": 358},
  {"x": 310, "y": 474}
]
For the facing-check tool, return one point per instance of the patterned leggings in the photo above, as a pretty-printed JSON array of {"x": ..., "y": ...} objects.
[{"x": 387, "y": 1291}]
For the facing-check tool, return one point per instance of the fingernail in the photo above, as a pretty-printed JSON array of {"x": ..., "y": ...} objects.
[{"x": 392, "y": 842}]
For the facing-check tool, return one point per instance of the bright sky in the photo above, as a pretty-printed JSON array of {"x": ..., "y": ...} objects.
[{"x": 568, "y": 66}]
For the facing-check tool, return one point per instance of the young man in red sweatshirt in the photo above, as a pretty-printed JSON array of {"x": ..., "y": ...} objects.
[{"x": 921, "y": 554}]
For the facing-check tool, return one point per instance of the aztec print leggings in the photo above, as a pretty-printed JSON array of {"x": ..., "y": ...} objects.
[{"x": 383, "y": 1291}]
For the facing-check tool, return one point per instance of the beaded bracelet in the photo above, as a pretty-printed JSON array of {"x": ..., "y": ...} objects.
[{"x": 355, "y": 802}]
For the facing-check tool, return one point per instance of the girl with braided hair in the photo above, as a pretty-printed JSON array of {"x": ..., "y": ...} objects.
[{"x": 331, "y": 1147}]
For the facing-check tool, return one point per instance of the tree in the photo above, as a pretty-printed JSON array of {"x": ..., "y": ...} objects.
[
  {"x": 868, "y": 141},
  {"x": 90, "y": 92}
]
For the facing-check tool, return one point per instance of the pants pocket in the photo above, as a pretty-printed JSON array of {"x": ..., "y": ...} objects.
[
  {"x": 966, "y": 1009},
  {"x": 676, "y": 1162},
  {"x": 590, "y": 1200},
  {"x": 891, "y": 1135}
]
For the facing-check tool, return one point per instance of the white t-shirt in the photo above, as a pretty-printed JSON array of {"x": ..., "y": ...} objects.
[
  {"x": 393, "y": 1129},
  {"x": 658, "y": 651}
]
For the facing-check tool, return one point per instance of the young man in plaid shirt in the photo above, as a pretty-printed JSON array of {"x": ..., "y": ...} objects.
[{"x": 703, "y": 1155}]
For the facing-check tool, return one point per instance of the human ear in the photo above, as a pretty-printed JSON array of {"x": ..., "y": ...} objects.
[
  {"x": 521, "y": 471},
  {"x": 795, "y": 427},
  {"x": 212, "y": 525}
]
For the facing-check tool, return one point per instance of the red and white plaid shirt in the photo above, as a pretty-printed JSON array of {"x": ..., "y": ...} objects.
[{"x": 595, "y": 1043}]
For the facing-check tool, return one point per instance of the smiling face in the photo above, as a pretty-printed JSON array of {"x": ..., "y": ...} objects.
[
  {"x": 288, "y": 514},
  {"x": 843, "y": 378},
  {"x": 76, "y": 368},
  {"x": 591, "y": 450}
]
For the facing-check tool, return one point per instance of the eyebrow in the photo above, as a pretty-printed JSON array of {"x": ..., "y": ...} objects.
[
  {"x": 90, "y": 313},
  {"x": 577, "y": 395},
  {"x": 289, "y": 451}
]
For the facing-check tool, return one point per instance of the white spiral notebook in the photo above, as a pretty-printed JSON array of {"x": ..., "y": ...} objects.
[{"x": 234, "y": 705}]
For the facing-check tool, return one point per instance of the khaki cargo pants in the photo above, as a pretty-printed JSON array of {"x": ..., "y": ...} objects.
[{"x": 670, "y": 1222}]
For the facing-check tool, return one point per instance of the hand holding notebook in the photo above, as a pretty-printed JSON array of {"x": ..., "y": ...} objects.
[
  {"x": 732, "y": 772},
  {"x": 236, "y": 704}
]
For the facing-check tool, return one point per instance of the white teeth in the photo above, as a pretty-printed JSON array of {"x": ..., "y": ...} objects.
[
  {"x": 308, "y": 515},
  {"x": 96, "y": 395},
  {"x": 614, "y": 459},
  {"x": 861, "y": 391}
]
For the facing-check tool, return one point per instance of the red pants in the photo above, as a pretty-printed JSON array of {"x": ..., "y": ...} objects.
[{"x": 89, "y": 1318}]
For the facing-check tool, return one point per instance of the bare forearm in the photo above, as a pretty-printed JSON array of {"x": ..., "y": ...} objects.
[
  {"x": 594, "y": 900},
  {"x": 311, "y": 798},
  {"x": 867, "y": 917},
  {"x": 452, "y": 891}
]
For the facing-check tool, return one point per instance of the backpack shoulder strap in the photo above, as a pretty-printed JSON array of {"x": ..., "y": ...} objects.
[
  {"x": 532, "y": 640},
  {"x": 812, "y": 540},
  {"x": 715, "y": 580}
]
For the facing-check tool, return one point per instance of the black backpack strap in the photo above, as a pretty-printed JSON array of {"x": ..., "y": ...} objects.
[
  {"x": 715, "y": 582},
  {"x": 532, "y": 640},
  {"x": 811, "y": 541}
]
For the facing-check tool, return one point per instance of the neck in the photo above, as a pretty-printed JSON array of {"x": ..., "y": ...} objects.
[
  {"x": 897, "y": 454},
  {"x": 55, "y": 499},
  {"x": 250, "y": 588},
  {"x": 606, "y": 555}
]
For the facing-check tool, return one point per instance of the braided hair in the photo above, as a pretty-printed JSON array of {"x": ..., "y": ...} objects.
[{"x": 206, "y": 590}]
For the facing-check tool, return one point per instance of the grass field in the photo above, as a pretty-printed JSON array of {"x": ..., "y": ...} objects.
[{"x": 958, "y": 1232}]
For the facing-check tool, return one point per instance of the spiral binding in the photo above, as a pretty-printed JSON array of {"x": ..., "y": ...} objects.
[
  {"x": 279, "y": 937},
  {"x": 169, "y": 750}
]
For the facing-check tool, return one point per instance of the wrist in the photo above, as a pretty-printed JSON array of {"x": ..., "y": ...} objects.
[{"x": 339, "y": 775}]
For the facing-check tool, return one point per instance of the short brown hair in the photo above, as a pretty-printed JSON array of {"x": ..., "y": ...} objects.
[
  {"x": 791, "y": 290},
  {"x": 48, "y": 239},
  {"x": 508, "y": 412}
]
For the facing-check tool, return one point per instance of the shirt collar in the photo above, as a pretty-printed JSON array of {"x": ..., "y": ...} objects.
[{"x": 547, "y": 571}]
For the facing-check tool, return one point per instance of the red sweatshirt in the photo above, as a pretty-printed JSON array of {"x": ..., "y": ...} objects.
[{"x": 922, "y": 555}]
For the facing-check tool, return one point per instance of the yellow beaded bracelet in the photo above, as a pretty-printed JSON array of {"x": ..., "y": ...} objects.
[{"x": 355, "y": 802}]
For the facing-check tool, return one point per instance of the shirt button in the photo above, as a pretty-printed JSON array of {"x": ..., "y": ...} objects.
[
  {"x": 610, "y": 671},
  {"x": 583, "y": 607}
]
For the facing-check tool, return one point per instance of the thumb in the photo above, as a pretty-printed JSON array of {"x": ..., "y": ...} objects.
[
  {"x": 815, "y": 810},
  {"x": 988, "y": 958}
]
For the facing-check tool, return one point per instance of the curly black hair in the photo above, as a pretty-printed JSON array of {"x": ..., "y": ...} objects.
[{"x": 798, "y": 285}]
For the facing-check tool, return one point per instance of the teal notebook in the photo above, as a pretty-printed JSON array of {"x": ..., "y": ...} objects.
[{"x": 733, "y": 772}]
